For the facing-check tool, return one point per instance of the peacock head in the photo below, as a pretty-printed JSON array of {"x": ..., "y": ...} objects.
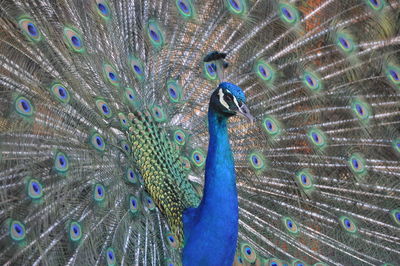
[{"x": 229, "y": 100}]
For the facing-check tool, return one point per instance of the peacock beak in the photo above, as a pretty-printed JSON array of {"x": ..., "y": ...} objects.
[{"x": 244, "y": 111}]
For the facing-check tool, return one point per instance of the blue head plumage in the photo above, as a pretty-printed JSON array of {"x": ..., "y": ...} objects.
[
  {"x": 228, "y": 100},
  {"x": 234, "y": 89}
]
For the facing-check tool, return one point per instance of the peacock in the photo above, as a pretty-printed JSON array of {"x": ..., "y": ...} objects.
[{"x": 188, "y": 132}]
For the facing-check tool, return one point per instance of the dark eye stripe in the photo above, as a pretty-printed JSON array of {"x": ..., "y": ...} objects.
[{"x": 228, "y": 97}]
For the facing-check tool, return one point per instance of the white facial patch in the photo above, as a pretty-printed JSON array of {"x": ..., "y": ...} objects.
[
  {"x": 234, "y": 99},
  {"x": 221, "y": 99},
  {"x": 236, "y": 102}
]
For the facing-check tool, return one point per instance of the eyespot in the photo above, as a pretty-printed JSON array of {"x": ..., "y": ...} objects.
[
  {"x": 357, "y": 164},
  {"x": 185, "y": 163},
  {"x": 99, "y": 193},
  {"x": 288, "y": 14},
  {"x": 35, "y": 189},
  {"x": 172, "y": 240},
  {"x": 396, "y": 145},
  {"x": 17, "y": 230},
  {"x": 348, "y": 225},
  {"x": 75, "y": 231},
  {"x": 131, "y": 176},
  {"x": 179, "y": 137},
  {"x": 312, "y": 81},
  {"x": 361, "y": 110},
  {"x": 271, "y": 126},
  {"x": 158, "y": 113},
  {"x": 237, "y": 7},
  {"x": 257, "y": 161},
  {"x": 29, "y": 29},
  {"x": 110, "y": 256},
  {"x": 264, "y": 72},
  {"x": 97, "y": 142},
  {"x": 248, "y": 253},
  {"x": 148, "y": 202},
  {"x": 123, "y": 120},
  {"x": 126, "y": 147},
  {"x": 317, "y": 137},
  {"x": 110, "y": 74},
  {"x": 103, "y": 108},
  {"x": 345, "y": 42},
  {"x": 60, "y": 93},
  {"x": 61, "y": 162},
  {"x": 103, "y": 9},
  {"x": 73, "y": 40},
  {"x": 290, "y": 225},
  {"x": 155, "y": 34},
  {"x": 23, "y": 106},
  {"x": 185, "y": 8},
  {"x": 174, "y": 91},
  {"x": 274, "y": 262},
  {"x": 396, "y": 216},
  {"x": 133, "y": 205},
  {"x": 210, "y": 70},
  {"x": 137, "y": 67},
  {"x": 393, "y": 74},
  {"x": 305, "y": 179},
  {"x": 298, "y": 263},
  {"x": 131, "y": 97},
  {"x": 376, "y": 4},
  {"x": 198, "y": 158}
]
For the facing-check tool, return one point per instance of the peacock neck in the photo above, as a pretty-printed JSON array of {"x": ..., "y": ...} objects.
[
  {"x": 220, "y": 180},
  {"x": 212, "y": 228},
  {"x": 219, "y": 205}
]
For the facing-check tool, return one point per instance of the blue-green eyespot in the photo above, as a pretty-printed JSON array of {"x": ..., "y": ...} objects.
[
  {"x": 348, "y": 224},
  {"x": 17, "y": 230}
]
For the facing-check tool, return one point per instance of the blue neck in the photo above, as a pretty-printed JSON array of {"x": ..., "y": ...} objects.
[
  {"x": 211, "y": 230},
  {"x": 220, "y": 181}
]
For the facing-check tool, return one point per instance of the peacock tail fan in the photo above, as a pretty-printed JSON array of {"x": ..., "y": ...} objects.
[{"x": 104, "y": 134}]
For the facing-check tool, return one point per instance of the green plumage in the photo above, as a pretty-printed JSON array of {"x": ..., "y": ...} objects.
[
  {"x": 158, "y": 161},
  {"x": 103, "y": 128}
]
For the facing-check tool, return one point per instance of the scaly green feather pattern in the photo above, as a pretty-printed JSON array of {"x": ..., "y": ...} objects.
[{"x": 158, "y": 162}]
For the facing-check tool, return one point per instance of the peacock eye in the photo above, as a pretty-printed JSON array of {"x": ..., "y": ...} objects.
[{"x": 229, "y": 97}]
